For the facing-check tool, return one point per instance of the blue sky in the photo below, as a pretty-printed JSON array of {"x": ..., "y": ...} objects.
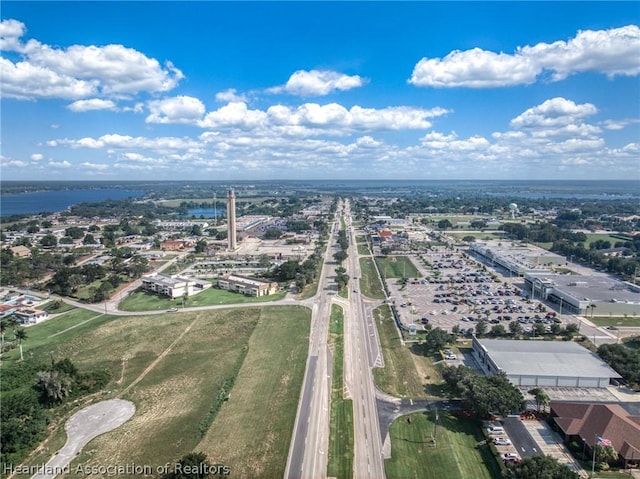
[{"x": 319, "y": 90}]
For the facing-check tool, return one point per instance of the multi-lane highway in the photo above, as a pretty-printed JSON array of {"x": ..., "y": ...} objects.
[
  {"x": 310, "y": 441},
  {"x": 361, "y": 353},
  {"x": 308, "y": 450}
]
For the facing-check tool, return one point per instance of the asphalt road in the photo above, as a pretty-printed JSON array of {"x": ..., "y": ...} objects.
[
  {"x": 362, "y": 345},
  {"x": 520, "y": 437}
]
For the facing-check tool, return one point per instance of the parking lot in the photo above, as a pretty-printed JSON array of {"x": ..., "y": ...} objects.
[{"x": 456, "y": 290}]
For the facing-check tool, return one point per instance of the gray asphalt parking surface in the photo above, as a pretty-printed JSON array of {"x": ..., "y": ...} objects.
[{"x": 82, "y": 427}]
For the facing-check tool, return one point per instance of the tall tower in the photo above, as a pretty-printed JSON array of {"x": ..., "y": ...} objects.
[{"x": 231, "y": 219}]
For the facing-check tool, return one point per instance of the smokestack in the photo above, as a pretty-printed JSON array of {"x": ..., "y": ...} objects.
[{"x": 231, "y": 220}]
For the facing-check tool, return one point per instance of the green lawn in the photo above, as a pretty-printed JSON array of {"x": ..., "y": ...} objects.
[
  {"x": 616, "y": 321},
  {"x": 457, "y": 453},
  {"x": 341, "y": 436},
  {"x": 399, "y": 376},
  {"x": 397, "y": 267},
  {"x": 143, "y": 301},
  {"x": 370, "y": 282}
]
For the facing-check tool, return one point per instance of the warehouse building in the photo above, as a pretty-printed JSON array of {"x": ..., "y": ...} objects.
[{"x": 542, "y": 363}]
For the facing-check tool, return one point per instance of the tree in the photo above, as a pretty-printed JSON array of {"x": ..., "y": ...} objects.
[
  {"x": 481, "y": 327},
  {"x": 201, "y": 246},
  {"x": 194, "y": 465},
  {"x": 498, "y": 330},
  {"x": 515, "y": 328},
  {"x": 437, "y": 338},
  {"x": 49, "y": 241},
  {"x": 54, "y": 386},
  {"x": 540, "y": 467},
  {"x": 605, "y": 453},
  {"x": 541, "y": 398},
  {"x": 272, "y": 234},
  {"x": 21, "y": 335},
  {"x": 340, "y": 256},
  {"x": 444, "y": 224}
]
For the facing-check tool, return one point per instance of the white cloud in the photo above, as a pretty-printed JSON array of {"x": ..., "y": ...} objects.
[
  {"x": 94, "y": 166},
  {"x": 553, "y": 113},
  {"x": 233, "y": 115},
  {"x": 180, "y": 109},
  {"x": 36, "y": 157},
  {"x": 79, "y": 71},
  {"x": 611, "y": 52},
  {"x": 80, "y": 106},
  {"x": 230, "y": 95},
  {"x": 318, "y": 83},
  {"x": 10, "y": 33},
  {"x": 59, "y": 164}
]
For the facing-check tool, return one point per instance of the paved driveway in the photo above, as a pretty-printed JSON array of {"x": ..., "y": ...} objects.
[{"x": 82, "y": 427}]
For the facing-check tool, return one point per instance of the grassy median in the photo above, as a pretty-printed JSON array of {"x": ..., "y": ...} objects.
[{"x": 341, "y": 438}]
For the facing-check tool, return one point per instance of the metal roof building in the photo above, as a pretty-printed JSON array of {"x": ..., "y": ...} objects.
[{"x": 542, "y": 363}]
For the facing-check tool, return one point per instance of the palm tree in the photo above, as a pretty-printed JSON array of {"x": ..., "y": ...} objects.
[{"x": 21, "y": 335}]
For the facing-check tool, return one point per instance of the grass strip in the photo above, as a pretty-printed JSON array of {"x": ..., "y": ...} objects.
[{"x": 341, "y": 435}]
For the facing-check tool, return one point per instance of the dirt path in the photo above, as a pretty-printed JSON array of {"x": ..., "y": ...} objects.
[{"x": 158, "y": 359}]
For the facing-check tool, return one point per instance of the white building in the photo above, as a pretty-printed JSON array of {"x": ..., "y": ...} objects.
[
  {"x": 173, "y": 286},
  {"x": 247, "y": 286}
]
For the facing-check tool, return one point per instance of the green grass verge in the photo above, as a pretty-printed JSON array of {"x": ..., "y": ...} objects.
[
  {"x": 363, "y": 249},
  {"x": 397, "y": 267},
  {"x": 370, "y": 282},
  {"x": 616, "y": 321},
  {"x": 143, "y": 301},
  {"x": 457, "y": 452},
  {"x": 252, "y": 431},
  {"x": 341, "y": 435},
  {"x": 399, "y": 376}
]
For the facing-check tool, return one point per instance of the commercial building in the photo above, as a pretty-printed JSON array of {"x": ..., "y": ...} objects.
[
  {"x": 516, "y": 258},
  {"x": 247, "y": 286},
  {"x": 542, "y": 363},
  {"x": 590, "y": 423},
  {"x": 597, "y": 295},
  {"x": 173, "y": 286}
]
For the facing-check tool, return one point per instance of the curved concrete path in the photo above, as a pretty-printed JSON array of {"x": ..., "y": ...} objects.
[{"x": 82, "y": 427}]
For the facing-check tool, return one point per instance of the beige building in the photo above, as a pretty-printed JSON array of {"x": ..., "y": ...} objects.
[
  {"x": 247, "y": 286},
  {"x": 173, "y": 286}
]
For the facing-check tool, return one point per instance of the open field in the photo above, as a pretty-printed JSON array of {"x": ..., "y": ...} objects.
[
  {"x": 399, "y": 376},
  {"x": 397, "y": 267},
  {"x": 173, "y": 368},
  {"x": 457, "y": 453},
  {"x": 341, "y": 437},
  {"x": 143, "y": 301},
  {"x": 252, "y": 431},
  {"x": 370, "y": 282}
]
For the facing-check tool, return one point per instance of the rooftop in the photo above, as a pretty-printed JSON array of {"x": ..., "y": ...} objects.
[{"x": 546, "y": 358}]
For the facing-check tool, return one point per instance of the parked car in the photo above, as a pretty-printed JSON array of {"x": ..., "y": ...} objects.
[
  {"x": 501, "y": 441},
  {"x": 495, "y": 430}
]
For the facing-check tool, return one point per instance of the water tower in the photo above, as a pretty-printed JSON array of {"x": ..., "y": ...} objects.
[{"x": 514, "y": 209}]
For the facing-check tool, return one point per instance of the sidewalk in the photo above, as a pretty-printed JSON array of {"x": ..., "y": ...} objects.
[{"x": 551, "y": 444}]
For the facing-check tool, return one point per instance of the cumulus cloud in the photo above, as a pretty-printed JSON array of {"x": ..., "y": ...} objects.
[
  {"x": 611, "y": 52},
  {"x": 80, "y": 106},
  {"x": 78, "y": 71},
  {"x": 94, "y": 166},
  {"x": 59, "y": 164},
  {"x": 318, "y": 83},
  {"x": 552, "y": 113},
  {"x": 36, "y": 157},
  {"x": 180, "y": 109},
  {"x": 305, "y": 120},
  {"x": 230, "y": 95}
]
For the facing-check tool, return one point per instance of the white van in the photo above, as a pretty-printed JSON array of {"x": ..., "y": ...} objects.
[{"x": 495, "y": 430}]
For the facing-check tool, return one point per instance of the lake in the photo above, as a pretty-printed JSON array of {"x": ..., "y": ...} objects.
[{"x": 59, "y": 200}]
